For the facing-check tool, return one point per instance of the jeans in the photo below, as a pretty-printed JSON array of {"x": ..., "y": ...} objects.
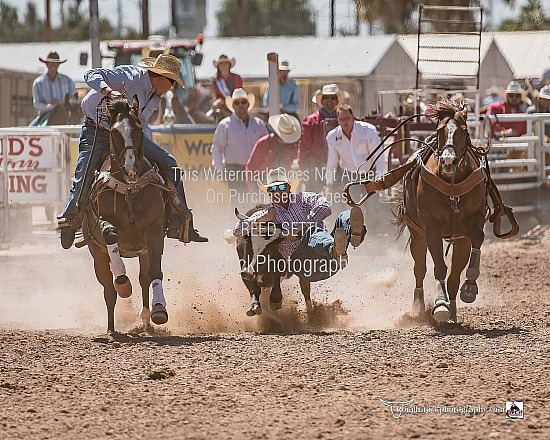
[
  {"x": 312, "y": 260},
  {"x": 164, "y": 160}
]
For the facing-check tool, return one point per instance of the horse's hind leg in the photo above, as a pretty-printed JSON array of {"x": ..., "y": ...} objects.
[
  {"x": 122, "y": 282},
  {"x": 419, "y": 249},
  {"x": 144, "y": 282},
  {"x": 461, "y": 251},
  {"x": 305, "y": 287},
  {"x": 105, "y": 277}
]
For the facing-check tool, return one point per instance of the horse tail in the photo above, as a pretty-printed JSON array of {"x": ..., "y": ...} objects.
[{"x": 398, "y": 211}]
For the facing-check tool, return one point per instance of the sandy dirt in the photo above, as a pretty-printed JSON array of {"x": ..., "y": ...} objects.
[{"x": 212, "y": 372}]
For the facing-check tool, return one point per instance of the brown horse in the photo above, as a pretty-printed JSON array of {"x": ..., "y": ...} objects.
[
  {"x": 66, "y": 112},
  {"x": 445, "y": 197},
  {"x": 126, "y": 218}
]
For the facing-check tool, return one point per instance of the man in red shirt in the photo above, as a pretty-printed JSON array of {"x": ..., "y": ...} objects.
[
  {"x": 513, "y": 104},
  {"x": 276, "y": 149},
  {"x": 312, "y": 150}
]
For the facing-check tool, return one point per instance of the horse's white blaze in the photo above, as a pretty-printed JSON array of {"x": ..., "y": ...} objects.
[
  {"x": 130, "y": 162},
  {"x": 116, "y": 265},
  {"x": 125, "y": 130},
  {"x": 158, "y": 293},
  {"x": 448, "y": 156}
]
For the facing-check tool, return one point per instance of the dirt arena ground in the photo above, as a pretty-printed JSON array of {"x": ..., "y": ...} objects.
[{"x": 213, "y": 373}]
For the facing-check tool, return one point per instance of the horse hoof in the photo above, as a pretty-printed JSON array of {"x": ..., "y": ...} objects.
[
  {"x": 441, "y": 313},
  {"x": 123, "y": 286},
  {"x": 159, "y": 315},
  {"x": 468, "y": 292},
  {"x": 255, "y": 309},
  {"x": 276, "y": 305}
]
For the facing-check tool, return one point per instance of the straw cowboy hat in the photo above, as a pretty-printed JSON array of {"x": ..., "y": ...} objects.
[
  {"x": 544, "y": 92},
  {"x": 277, "y": 176},
  {"x": 166, "y": 65},
  {"x": 515, "y": 87},
  {"x": 286, "y": 127},
  {"x": 330, "y": 89},
  {"x": 224, "y": 59},
  {"x": 155, "y": 48},
  {"x": 53, "y": 57},
  {"x": 240, "y": 94},
  {"x": 284, "y": 65}
]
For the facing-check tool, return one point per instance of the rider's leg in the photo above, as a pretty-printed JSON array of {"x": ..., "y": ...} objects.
[
  {"x": 87, "y": 136},
  {"x": 169, "y": 168}
]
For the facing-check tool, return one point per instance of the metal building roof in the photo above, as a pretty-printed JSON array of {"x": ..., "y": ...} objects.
[
  {"x": 308, "y": 56},
  {"x": 527, "y": 53}
]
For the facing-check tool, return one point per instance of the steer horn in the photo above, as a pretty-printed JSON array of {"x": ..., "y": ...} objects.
[{"x": 239, "y": 215}]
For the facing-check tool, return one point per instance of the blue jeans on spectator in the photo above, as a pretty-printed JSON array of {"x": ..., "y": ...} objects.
[
  {"x": 164, "y": 160},
  {"x": 313, "y": 260}
]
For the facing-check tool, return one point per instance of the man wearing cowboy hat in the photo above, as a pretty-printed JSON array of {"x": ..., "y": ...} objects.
[
  {"x": 233, "y": 141},
  {"x": 148, "y": 81},
  {"x": 277, "y": 149},
  {"x": 312, "y": 150},
  {"x": 52, "y": 86},
  {"x": 515, "y": 96},
  {"x": 301, "y": 215},
  {"x": 289, "y": 92},
  {"x": 543, "y": 106}
]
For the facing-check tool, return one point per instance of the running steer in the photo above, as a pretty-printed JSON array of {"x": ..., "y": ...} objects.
[{"x": 263, "y": 266}]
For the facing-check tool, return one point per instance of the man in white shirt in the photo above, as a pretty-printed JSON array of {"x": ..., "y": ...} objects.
[
  {"x": 234, "y": 139},
  {"x": 349, "y": 145}
]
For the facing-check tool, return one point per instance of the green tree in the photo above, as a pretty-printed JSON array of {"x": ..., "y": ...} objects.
[
  {"x": 265, "y": 17},
  {"x": 531, "y": 18},
  {"x": 9, "y": 21}
]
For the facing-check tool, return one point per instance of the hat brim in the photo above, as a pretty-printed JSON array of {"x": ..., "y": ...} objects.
[
  {"x": 149, "y": 62},
  {"x": 285, "y": 68},
  {"x": 342, "y": 96},
  {"x": 286, "y": 138},
  {"x": 231, "y": 61},
  {"x": 293, "y": 184},
  {"x": 229, "y": 102},
  {"x": 51, "y": 60}
]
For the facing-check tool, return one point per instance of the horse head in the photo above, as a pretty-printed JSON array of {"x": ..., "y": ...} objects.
[
  {"x": 452, "y": 135},
  {"x": 126, "y": 137}
]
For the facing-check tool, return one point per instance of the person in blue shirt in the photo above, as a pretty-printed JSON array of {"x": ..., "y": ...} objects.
[
  {"x": 148, "y": 81},
  {"x": 52, "y": 87},
  {"x": 289, "y": 92}
]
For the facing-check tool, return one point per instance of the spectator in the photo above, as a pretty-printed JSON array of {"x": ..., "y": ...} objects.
[
  {"x": 543, "y": 107},
  {"x": 51, "y": 87},
  {"x": 234, "y": 139},
  {"x": 224, "y": 83},
  {"x": 289, "y": 92},
  {"x": 312, "y": 149},
  {"x": 513, "y": 104},
  {"x": 277, "y": 149}
]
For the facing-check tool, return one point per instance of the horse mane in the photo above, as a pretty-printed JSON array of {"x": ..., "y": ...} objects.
[
  {"x": 448, "y": 109},
  {"x": 117, "y": 106}
]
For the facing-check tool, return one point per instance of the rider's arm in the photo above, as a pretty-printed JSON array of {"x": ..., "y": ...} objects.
[
  {"x": 318, "y": 205},
  {"x": 106, "y": 80}
]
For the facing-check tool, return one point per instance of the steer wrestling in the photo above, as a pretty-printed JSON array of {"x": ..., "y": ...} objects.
[{"x": 288, "y": 236}]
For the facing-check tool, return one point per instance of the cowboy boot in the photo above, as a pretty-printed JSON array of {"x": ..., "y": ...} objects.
[{"x": 180, "y": 225}]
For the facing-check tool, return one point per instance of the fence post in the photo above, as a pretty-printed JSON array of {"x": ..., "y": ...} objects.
[{"x": 5, "y": 186}]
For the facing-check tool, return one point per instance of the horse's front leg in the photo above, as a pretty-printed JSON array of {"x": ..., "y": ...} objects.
[
  {"x": 276, "y": 295},
  {"x": 122, "y": 283},
  {"x": 145, "y": 283},
  {"x": 155, "y": 247},
  {"x": 305, "y": 287},
  {"x": 434, "y": 240},
  {"x": 419, "y": 249},
  {"x": 469, "y": 290},
  {"x": 461, "y": 251}
]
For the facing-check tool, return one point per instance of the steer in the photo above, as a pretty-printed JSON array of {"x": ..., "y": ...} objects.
[{"x": 263, "y": 266}]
